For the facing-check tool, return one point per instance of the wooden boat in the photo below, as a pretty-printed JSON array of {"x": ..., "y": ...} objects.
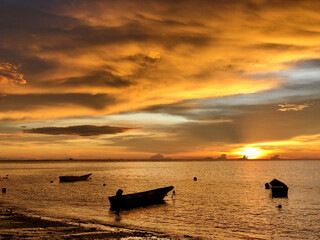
[
  {"x": 278, "y": 189},
  {"x": 74, "y": 178},
  {"x": 138, "y": 199}
]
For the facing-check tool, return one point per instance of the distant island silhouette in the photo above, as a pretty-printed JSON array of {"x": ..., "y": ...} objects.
[{"x": 207, "y": 159}]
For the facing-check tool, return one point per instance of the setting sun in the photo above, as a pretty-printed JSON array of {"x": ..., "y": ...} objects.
[{"x": 251, "y": 152}]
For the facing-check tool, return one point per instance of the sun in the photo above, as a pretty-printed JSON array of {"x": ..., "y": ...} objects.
[{"x": 250, "y": 152}]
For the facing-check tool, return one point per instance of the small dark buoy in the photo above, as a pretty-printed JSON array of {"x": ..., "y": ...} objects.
[
  {"x": 104, "y": 184},
  {"x": 173, "y": 194},
  {"x": 267, "y": 186},
  {"x": 279, "y": 206},
  {"x": 195, "y": 179},
  {"x": 4, "y": 190}
]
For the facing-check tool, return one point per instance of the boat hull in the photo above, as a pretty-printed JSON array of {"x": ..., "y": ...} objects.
[
  {"x": 139, "y": 199},
  {"x": 74, "y": 178},
  {"x": 278, "y": 189},
  {"x": 279, "y": 192}
]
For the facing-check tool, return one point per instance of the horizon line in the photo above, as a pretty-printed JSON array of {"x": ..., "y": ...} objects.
[{"x": 154, "y": 160}]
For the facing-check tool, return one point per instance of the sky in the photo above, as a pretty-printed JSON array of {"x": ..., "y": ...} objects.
[{"x": 91, "y": 79}]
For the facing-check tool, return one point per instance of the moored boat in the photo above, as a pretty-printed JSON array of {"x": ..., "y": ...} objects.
[
  {"x": 138, "y": 199},
  {"x": 278, "y": 189},
  {"x": 74, "y": 178}
]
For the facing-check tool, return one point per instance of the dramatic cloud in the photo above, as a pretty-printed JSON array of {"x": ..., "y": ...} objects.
[
  {"x": 246, "y": 124},
  {"x": 293, "y": 107},
  {"x": 100, "y": 78},
  {"x": 29, "y": 102},
  {"x": 83, "y": 130},
  {"x": 197, "y": 76},
  {"x": 305, "y": 63},
  {"x": 9, "y": 74}
]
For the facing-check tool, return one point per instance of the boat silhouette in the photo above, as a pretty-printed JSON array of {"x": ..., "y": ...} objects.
[
  {"x": 74, "y": 178},
  {"x": 138, "y": 199}
]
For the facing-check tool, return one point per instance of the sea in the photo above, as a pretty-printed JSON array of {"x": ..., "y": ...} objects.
[{"x": 228, "y": 200}]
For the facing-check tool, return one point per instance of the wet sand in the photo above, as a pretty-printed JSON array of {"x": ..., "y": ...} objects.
[{"x": 18, "y": 226}]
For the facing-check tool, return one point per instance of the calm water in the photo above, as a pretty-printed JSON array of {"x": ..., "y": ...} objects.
[{"x": 227, "y": 202}]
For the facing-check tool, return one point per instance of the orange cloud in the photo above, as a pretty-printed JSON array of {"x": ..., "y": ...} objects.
[
  {"x": 225, "y": 66},
  {"x": 293, "y": 107},
  {"x": 9, "y": 74},
  {"x": 5, "y": 135}
]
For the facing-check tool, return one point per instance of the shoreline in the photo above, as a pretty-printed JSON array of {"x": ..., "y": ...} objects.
[{"x": 16, "y": 225}]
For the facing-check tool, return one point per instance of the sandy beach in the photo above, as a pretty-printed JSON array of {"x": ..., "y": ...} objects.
[{"x": 14, "y": 225}]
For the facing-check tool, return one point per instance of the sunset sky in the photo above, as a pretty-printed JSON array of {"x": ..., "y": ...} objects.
[{"x": 91, "y": 79}]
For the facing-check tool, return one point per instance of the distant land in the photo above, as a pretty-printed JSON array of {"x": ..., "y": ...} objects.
[{"x": 150, "y": 160}]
